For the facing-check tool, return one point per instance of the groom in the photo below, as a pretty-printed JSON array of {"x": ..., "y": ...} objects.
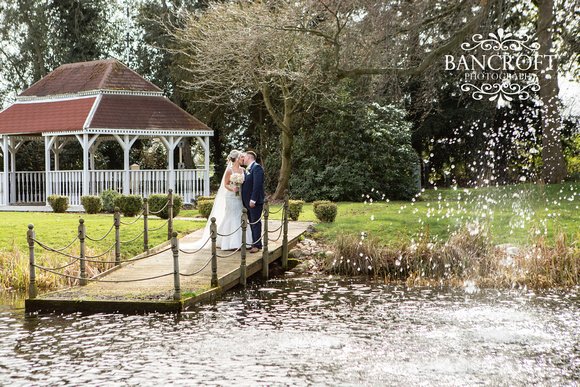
[{"x": 253, "y": 197}]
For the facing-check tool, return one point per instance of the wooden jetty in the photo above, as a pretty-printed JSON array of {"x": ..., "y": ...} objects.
[{"x": 121, "y": 291}]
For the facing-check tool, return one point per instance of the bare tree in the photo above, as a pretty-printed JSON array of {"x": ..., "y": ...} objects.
[{"x": 236, "y": 51}]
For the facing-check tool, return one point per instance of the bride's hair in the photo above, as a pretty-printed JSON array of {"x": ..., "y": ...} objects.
[{"x": 234, "y": 155}]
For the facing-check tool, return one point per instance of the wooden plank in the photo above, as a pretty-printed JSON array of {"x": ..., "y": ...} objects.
[{"x": 156, "y": 294}]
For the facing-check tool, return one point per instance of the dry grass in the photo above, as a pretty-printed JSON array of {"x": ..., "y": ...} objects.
[
  {"x": 469, "y": 256},
  {"x": 14, "y": 268}
]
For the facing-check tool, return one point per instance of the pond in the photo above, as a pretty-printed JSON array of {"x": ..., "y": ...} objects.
[{"x": 308, "y": 332}]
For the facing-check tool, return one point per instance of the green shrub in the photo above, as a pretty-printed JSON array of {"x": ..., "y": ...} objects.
[
  {"x": 295, "y": 208},
  {"x": 158, "y": 201},
  {"x": 108, "y": 197},
  {"x": 204, "y": 207},
  {"x": 58, "y": 203},
  {"x": 319, "y": 202},
  {"x": 129, "y": 205},
  {"x": 204, "y": 198},
  {"x": 326, "y": 212},
  {"x": 92, "y": 204}
]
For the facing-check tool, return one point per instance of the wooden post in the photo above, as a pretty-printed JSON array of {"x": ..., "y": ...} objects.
[
  {"x": 145, "y": 225},
  {"x": 285, "y": 232},
  {"x": 170, "y": 213},
  {"x": 243, "y": 249},
  {"x": 213, "y": 233},
  {"x": 176, "y": 282},
  {"x": 83, "y": 253},
  {"x": 265, "y": 255},
  {"x": 30, "y": 236},
  {"x": 117, "y": 218}
]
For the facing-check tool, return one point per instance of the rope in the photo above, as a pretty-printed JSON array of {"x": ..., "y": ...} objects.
[
  {"x": 261, "y": 237},
  {"x": 100, "y": 239},
  {"x": 139, "y": 217},
  {"x": 57, "y": 268},
  {"x": 53, "y": 250},
  {"x": 198, "y": 250},
  {"x": 229, "y": 255},
  {"x": 99, "y": 280},
  {"x": 134, "y": 239},
  {"x": 100, "y": 255},
  {"x": 259, "y": 220},
  {"x": 279, "y": 235},
  {"x": 57, "y": 250},
  {"x": 278, "y": 210},
  {"x": 232, "y": 233},
  {"x": 162, "y": 208},
  {"x": 196, "y": 272},
  {"x": 279, "y": 228},
  {"x": 132, "y": 259},
  {"x": 160, "y": 227}
]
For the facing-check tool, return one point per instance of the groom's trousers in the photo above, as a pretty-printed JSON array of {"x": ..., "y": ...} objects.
[{"x": 254, "y": 213}]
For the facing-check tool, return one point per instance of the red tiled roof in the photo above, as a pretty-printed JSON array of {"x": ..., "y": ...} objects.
[
  {"x": 113, "y": 112},
  {"x": 46, "y": 116},
  {"x": 142, "y": 112},
  {"x": 36, "y": 114},
  {"x": 100, "y": 74}
]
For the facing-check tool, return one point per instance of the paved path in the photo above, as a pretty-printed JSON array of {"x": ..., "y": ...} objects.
[{"x": 162, "y": 263}]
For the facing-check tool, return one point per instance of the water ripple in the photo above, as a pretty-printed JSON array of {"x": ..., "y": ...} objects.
[{"x": 308, "y": 332}]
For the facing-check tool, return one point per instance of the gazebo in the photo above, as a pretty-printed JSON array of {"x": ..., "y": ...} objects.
[{"x": 91, "y": 102}]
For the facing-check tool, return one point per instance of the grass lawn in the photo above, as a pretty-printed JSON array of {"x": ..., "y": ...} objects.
[
  {"x": 58, "y": 230},
  {"x": 512, "y": 213}
]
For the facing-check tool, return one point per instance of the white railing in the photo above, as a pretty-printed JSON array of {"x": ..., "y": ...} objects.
[
  {"x": 190, "y": 184},
  {"x": 2, "y": 190},
  {"x": 67, "y": 183},
  {"x": 148, "y": 182},
  {"x": 28, "y": 187},
  {"x": 105, "y": 180}
]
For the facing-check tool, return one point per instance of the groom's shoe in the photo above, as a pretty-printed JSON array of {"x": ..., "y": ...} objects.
[{"x": 254, "y": 250}]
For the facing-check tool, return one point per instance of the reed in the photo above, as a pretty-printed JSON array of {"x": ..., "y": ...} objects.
[
  {"x": 14, "y": 270},
  {"x": 468, "y": 256}
]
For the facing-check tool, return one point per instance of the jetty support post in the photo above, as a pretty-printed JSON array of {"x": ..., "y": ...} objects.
[
  {"x": 145, "y": 225},
  {"x": 83, "y": 252},
  {"x": 30, "y": 237},
  {"x": 285, "y": 231},
  {"x": 213, "y": 232},
  {"x": 170, "y": 213},
  {"x": 176, "y": 280},
  {"x": 117, "y": 223},
  {"x": 243, "y": 248},
  {"x": 265, "y": 255}
]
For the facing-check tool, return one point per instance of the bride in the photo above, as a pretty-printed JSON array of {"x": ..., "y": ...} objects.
[{"x": 227, "y": 209}]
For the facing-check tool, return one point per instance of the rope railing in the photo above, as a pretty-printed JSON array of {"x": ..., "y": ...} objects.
[
  {"x": 134, "y": 239},
  {"x": 135, "y": 221},
  {"x": 84, "y": 258},
  {"x": 100, "y": 239}
]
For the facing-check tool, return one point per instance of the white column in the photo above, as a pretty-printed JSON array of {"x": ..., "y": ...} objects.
[
  {"x": 126, "y": 143},
  {"x": 5, "y": 177},
  {"x": 205, "y": 144},
  {"x": 13, "y": 148},
  {"x": 170, "y": 144},
  {"x": 48, "y": 142},
  {"x": 86, "y": 143}
]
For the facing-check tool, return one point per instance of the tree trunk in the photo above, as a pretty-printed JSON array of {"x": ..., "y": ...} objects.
[
  {"x": 554, "y": 169},
  {"x": 287, "y": 140}
]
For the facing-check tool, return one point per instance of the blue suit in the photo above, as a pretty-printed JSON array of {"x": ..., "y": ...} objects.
[{"x": 253, "y": 189}]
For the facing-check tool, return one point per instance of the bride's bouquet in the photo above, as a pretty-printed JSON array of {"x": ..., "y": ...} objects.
[{"x": 237, "y": 179}]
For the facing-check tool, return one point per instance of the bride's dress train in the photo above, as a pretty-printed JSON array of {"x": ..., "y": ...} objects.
[{"x": 227, "y": 209}]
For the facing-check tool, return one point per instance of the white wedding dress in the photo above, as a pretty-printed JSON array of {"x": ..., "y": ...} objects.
[{"x": 227, "y": 209}]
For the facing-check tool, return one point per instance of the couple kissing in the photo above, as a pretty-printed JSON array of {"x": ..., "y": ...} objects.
[{"x": 242, "y": 186}]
